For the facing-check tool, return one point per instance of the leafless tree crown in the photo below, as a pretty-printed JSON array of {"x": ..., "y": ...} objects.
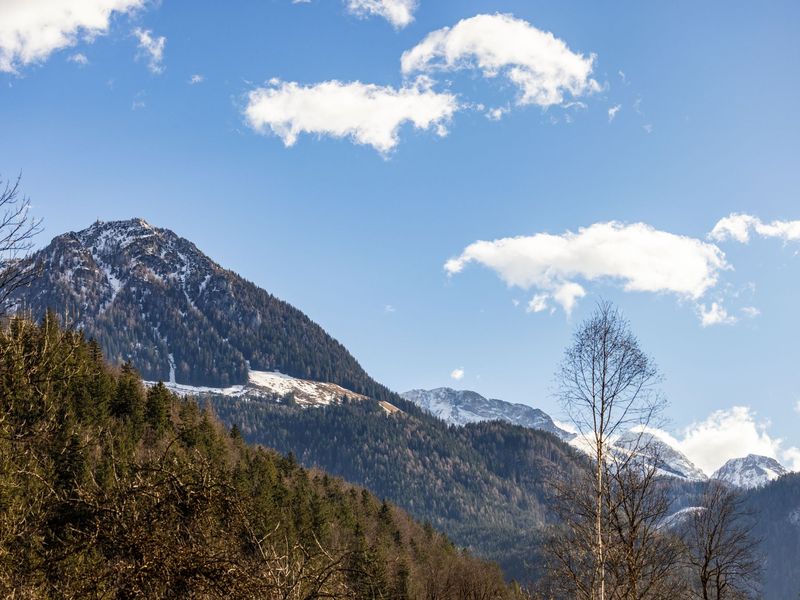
[{"x": 17, "y": 232}]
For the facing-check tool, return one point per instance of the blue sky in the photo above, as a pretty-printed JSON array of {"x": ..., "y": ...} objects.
[{"x": 103, "y": 121}]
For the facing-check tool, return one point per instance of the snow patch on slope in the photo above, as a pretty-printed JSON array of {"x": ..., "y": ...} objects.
[{"x": 303, "y": 392}]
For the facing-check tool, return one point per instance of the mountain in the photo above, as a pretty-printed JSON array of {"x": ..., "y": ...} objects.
[
  {"x": 153, "y": 298},
  {"x": 750, "y": 471},
  {"x": 460, "y": 407},
  {"x": 776, "y": 508},
  {"x": 111, "y": 490},
  {"x": 670, "y": 460}
]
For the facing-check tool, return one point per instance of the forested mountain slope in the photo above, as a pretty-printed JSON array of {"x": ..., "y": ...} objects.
[
  {"x": 109, "y": 490},
  {"x": 485, "y": 484}
]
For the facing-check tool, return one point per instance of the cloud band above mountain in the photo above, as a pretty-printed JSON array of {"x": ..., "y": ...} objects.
[{"x": 640, "y": 257}]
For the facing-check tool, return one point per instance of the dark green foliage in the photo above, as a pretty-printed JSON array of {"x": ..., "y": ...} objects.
[
  {"x": 157, "y": 406},
  {"x": 485, "y": 484},
  {"x": 152, "y": 497}
]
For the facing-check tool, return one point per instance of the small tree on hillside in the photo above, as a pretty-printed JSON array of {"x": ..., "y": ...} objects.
[{"x": 721, "y": 551}]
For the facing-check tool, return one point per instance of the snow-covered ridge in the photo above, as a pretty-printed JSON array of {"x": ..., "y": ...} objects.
[
  {"x": 303, "y": 392},
  {"x": 750, "y": 471},
  {"x": 460, "y": 407},
  {"x": 669, "y": 460}
]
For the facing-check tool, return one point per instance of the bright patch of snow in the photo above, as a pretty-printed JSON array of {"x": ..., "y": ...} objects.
[{"x": 303, "y": 391}]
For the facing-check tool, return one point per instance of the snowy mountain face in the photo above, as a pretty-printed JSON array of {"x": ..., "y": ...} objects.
[
  {"x": 460, "y": 407},
  {"x": 750, "y": 471},
  {"x": 153, "y": 298},
  {"x": 670, "y": 461},
  {"x": 275, "y": 385}
]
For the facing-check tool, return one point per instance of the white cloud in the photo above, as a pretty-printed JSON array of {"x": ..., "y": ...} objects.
[
  {"x": 612, "y": 112},
  {"x": 79, "y": 59},
  {"x": 648, "y": 128},
  {"x": 732, "y": 433},
  {"x": 388, "y": 309},
  {"x": 751, "y": 311},
  {"x": 714, "y": 315},
  {"x": 738, "y": 227},
  {"x": 366, "y": 113},
  {"x": 539, "y": 64},
  {"x": 495, "y": 114},
  {"x": 31, "y": 30},
  {"x": 152, "y": 48},
  {"x": 641, "y": 258},
  {"x": 797, "y": 407},
  {"x": 196, "y": 78},
  {"x": 398, "y": 12},
  {"x": 457, "y": 374},
  {"x": 538, "y": 303}
]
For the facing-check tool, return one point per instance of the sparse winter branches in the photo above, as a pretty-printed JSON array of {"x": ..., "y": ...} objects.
[{"x": 17, "y": 230}]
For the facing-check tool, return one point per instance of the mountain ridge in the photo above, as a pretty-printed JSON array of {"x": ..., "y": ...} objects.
[
  {"x": 461, "y": 407},
  {"x": 151, "y": 297},
  {"x": 751, "y": 471}
]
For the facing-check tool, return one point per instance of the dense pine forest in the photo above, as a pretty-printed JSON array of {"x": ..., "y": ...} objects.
[
  {"x": 486, "y": 485},
  {"x": 112, "y": 490}
]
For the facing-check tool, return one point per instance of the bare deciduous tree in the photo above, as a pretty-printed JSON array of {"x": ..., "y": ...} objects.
[
  {"x": 720, "y": 549},
  {"x": 17, "y": 230},
  {"x": 607, "y": 385}
]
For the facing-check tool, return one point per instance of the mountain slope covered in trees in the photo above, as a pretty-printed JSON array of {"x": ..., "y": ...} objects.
[
  {"x": 113, "y": 491},
  {"x": 486, "y": 485}
]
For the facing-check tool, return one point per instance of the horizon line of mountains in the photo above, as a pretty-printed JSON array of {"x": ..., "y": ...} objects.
[{"x": 475, "y": 467}]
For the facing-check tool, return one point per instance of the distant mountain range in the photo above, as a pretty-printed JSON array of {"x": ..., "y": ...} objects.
[{"x": 460, "y": 407}]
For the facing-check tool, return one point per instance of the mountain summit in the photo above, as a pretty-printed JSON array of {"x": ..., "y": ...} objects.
[
  {"x": 750, "y": 471},
  {"x": 459, "y": 407},
  {"x": 153, "y": 298}
]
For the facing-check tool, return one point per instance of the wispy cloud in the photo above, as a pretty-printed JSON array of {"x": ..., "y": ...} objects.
[
  {"x": 152, "y": 48},
  {"x": 739, "y": 227},
  {"x": 457, "y": 374},
  {"x": 540, "y": 65},
  {"x": 365, "y": 113},
  {"x": 612, "y": 112},
  {"x": 196, "y": 78},
  {"x": 715, "y": 314},
  {"x": 399, "y": 13},
  {"x": 31, "y": 31},
  {"x": 79, "y": 59}
]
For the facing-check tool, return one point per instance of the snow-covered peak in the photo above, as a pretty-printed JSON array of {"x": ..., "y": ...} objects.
[
  {"x": 460, "y": 407},
  {"x": 750, "y": 471},
  {"x": 669, "y": 460}
]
